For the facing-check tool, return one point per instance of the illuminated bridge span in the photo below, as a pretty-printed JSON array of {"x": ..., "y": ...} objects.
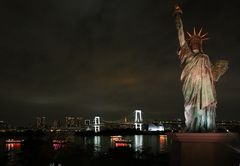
[{"x": 134, "y": 119}]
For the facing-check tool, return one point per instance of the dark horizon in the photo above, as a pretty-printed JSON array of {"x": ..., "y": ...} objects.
[{"x": 108, "y": 58}]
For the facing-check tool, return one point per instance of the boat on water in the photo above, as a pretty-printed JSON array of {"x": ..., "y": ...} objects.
[
  {"x": 116, "y": 137},
  {"x": 9, "y": 141},
  {"x": 55, "y": 141},
  {"x": 122, "y": 140}
]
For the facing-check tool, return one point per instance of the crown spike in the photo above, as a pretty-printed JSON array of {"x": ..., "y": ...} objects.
[
  {"x": 199, "y": 33},
  {"x": 204, "y": 35},
  {"x": 189, "y": 34},
  {"x": 205, "y": 39},
  {"x": 194, "y": 31}
]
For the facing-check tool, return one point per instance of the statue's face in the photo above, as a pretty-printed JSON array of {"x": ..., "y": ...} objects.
[{"x": 195, "y": 44}]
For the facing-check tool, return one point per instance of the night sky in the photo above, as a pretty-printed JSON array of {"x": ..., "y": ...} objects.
[{"x": 108, "y": 57}]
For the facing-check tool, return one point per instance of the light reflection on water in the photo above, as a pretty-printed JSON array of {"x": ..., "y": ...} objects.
[
  {"x": 163, "y": 143},
  {"x": 154, "y": 143},
  {"x": 118, "y": 141},
  {"x": 97, "y": 143},
  {"x": 13, "y": 146},
  {"x": 138, "y": 142},
  {"x": 58, "y": 146},
  {"x": 12, "y": 149}
]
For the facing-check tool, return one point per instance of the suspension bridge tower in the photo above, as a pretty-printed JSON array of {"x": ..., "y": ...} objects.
[
  {"x": 97, "y": 124},
  {"x": 138, "y": 120}
]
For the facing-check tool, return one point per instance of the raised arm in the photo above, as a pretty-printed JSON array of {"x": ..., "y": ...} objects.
[{"x": 179, "y": 25}]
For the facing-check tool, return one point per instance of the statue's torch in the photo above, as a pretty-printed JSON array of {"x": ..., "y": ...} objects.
[
  {"x": 177, "y": 10},
  {"x": 177, "y": 14}
]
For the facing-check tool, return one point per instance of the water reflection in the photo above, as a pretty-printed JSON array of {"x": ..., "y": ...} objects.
[
  {"x": 119, "y": 141},
  {"x": 119, "y": 145},
  {"x": 138, "y": 142},
  {"x": 154, "y": 144},
  {"x": 12, "y": 147},
  {"x": 97, "y": 143},
  {"x": 115, "y": 138},
  {"x": 58, "y": 144},
  {"x": 163, "y": 143}
]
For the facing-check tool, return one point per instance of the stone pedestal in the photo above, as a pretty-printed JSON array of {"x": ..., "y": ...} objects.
[{"x": 201, "y": 149}]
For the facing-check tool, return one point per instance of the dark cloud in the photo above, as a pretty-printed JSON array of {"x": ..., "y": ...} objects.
[{"x": 107, "y": 57}]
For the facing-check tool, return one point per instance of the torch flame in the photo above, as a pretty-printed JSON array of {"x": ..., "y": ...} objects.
[{"x": 177, "y": 7}]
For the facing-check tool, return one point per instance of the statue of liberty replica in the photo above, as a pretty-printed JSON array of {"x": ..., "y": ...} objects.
[{"x": 198, "y": 77}]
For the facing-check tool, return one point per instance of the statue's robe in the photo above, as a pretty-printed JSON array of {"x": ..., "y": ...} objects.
[{"x": 198, "y": 90}]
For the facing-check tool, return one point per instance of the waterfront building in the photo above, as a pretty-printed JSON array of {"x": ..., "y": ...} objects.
[
  {"x": 56, "y": 124},
  {"x": 73, "y": 123},
  {"x": 155, "y": 127},
  {"x": 41, "y": 123}
]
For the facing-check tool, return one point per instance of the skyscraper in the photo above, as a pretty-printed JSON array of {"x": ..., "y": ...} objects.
[{"x": 41, "y": 123}]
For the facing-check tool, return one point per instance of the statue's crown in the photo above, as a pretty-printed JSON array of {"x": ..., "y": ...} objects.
[
  {"x": 195, "y": 39},
  {"x": 197, "y": 35}
]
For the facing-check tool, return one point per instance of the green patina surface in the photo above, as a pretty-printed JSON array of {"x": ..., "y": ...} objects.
[{"x": 198, "y": 90}]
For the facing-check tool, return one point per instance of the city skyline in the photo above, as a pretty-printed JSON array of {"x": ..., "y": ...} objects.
[{"x": 108, "y": 58}]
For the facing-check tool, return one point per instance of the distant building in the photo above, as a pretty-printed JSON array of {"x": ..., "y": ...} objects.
[
  {"x": 87, "y": 122},
  {"x": 155, "y": 127},
  {"x": 56, "y": 124},
  {"x": 174, "y": 125},
  {"x": 41, "y": 123},
  {"x": 3, "y": 125},
  {"x": 87, "y": 125},
  {"x": 73, "y": 123},
  {"x": 228, "y": 126}
]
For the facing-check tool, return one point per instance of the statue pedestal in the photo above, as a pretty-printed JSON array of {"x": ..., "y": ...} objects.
[{"x": 201, "y": 149}]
